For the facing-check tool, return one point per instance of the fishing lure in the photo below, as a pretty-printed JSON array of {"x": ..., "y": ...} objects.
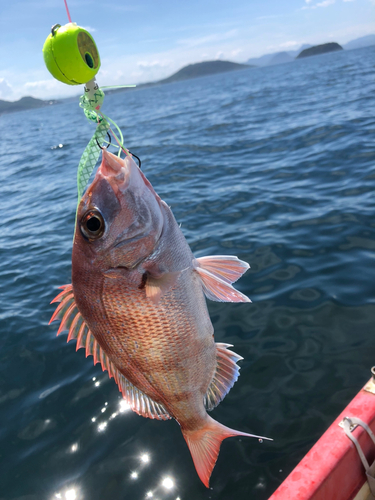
[{"x": 72, "y": 57}]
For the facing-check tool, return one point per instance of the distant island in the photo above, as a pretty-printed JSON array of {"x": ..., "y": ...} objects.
[
  {"x": 320, "y": 49},
  {"x": 23, "y": 103},
  {"x": 203, "y": 69},
  {"x": 359, "y": 43},
  {"x": 209, "y": 68},
  {"x": 187, "y": 72},
  {"x": 280, "y": 58},
  {"x": 277, "y": 57}
]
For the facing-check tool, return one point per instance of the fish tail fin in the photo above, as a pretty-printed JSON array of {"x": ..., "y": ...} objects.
[{"x": 204, "y": 445}]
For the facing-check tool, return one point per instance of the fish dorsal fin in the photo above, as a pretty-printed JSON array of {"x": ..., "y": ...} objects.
[
  {"x": 217, "y": 275},
  {"x": 72, "y": 320},
  {"x": 227, "y": 372}
]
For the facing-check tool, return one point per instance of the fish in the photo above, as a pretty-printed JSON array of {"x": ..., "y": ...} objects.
[{"x": 137, "y": 304}]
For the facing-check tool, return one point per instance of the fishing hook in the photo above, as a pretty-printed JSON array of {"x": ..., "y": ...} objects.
[
  {"x": 106, "y": 147},
  {"x": 135, "y": 156}
]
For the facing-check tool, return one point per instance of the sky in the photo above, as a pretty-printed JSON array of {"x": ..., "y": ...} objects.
[{"x": 147, "y": 40}]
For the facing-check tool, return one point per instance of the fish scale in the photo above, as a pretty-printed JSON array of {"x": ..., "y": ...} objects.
[
  {"x": 137, "y": 304},
  {"x": 161, "y": 328}
]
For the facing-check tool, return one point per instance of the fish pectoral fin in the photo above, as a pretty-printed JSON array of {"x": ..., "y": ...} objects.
[
  {"x": 226, "y": 374},
  {"x": 217, "y": 275},
  {"x": 113, "y": 274},
  {"x": 157, "y": 286},
  {"x": 227, "y": 267}
]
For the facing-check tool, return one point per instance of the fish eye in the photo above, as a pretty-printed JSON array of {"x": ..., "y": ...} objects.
[{"x": 92, "y": 225}]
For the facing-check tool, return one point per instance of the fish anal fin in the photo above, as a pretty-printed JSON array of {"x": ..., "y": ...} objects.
[
  {"x": 226, "y": 374},
  {"x": 227, "y": 267},
  {"x": 157, "y": 286},
  {"x": 216, "y": 288},
  {"x": 204, "y": 445},
  {"x": 138, "y": 401}
]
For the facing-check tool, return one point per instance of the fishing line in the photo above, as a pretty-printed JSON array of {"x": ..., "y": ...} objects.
[
  {"x": 72, "y": 57},
  {"x": 67, "y": 11}
]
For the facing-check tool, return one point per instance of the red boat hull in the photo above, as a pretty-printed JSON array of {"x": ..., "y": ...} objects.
[{"x": 332, "y": 469}]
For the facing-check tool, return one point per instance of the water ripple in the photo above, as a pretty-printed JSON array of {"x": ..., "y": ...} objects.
[{"x": 275, "y": 165}]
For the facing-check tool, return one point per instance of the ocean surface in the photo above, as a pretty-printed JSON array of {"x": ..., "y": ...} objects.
[{"x": 275, "y": 165}]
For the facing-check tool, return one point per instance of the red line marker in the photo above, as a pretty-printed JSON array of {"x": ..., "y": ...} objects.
[{"x": 67, "y": 11}]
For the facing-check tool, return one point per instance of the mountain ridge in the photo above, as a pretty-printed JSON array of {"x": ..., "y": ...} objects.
[
  {"x": 265, "y": 59},
  {"x": 204, "y": 68},
  {"x": 192, "y": 71},
  {"x": 24, "y": 103}
]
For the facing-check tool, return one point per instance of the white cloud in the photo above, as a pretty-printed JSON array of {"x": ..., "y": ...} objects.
[
  {"x": 325, "y": 3},
  {"x": 41, "y": 83},
  {"x": 288, "y": 45},
  {"x": 227, "y": 55},
  {"x": 152, "y": 64},
  {"x": 235, "y": 52},
  {"x": 184, "y": 45},
  {"x": 89, "y": 29},
  {"x": 6, "y": 89},
  {"x": 49, "y": 89},
  {"x": 123, "y": 8},
  {"x": 204, "y": 40},
  {"x": 260, "y": 18}
]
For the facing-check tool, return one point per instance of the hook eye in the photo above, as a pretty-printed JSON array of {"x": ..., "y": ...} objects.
[{"x": 54, "y": 28}]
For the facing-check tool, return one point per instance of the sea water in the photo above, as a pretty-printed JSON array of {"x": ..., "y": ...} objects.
[{"x": 275, "y": 165}]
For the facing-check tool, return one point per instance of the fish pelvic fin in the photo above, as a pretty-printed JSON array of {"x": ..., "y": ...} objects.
[
  {"x": 226, "y": 374},
  {"x": 204, "y": 445},
  {"x": 217, "y": 273}
]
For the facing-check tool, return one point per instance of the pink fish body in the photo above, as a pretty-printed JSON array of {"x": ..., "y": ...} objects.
[{"x": 137, "y": 304}]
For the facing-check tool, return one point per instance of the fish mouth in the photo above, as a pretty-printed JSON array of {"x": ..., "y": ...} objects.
[
  {"x": 142, "y": 213},
  {"x": 120, "y": 173},
  {"x": 115, "y": 169}
]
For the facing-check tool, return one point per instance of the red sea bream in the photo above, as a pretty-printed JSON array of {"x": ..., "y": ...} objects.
[{"x": 137, "y": 304}]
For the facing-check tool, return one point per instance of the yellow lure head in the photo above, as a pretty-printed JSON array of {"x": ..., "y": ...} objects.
[{"x": 71, "y": 55}]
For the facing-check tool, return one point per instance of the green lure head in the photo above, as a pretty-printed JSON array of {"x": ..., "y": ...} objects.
[{"x": 71, "y": 55}]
